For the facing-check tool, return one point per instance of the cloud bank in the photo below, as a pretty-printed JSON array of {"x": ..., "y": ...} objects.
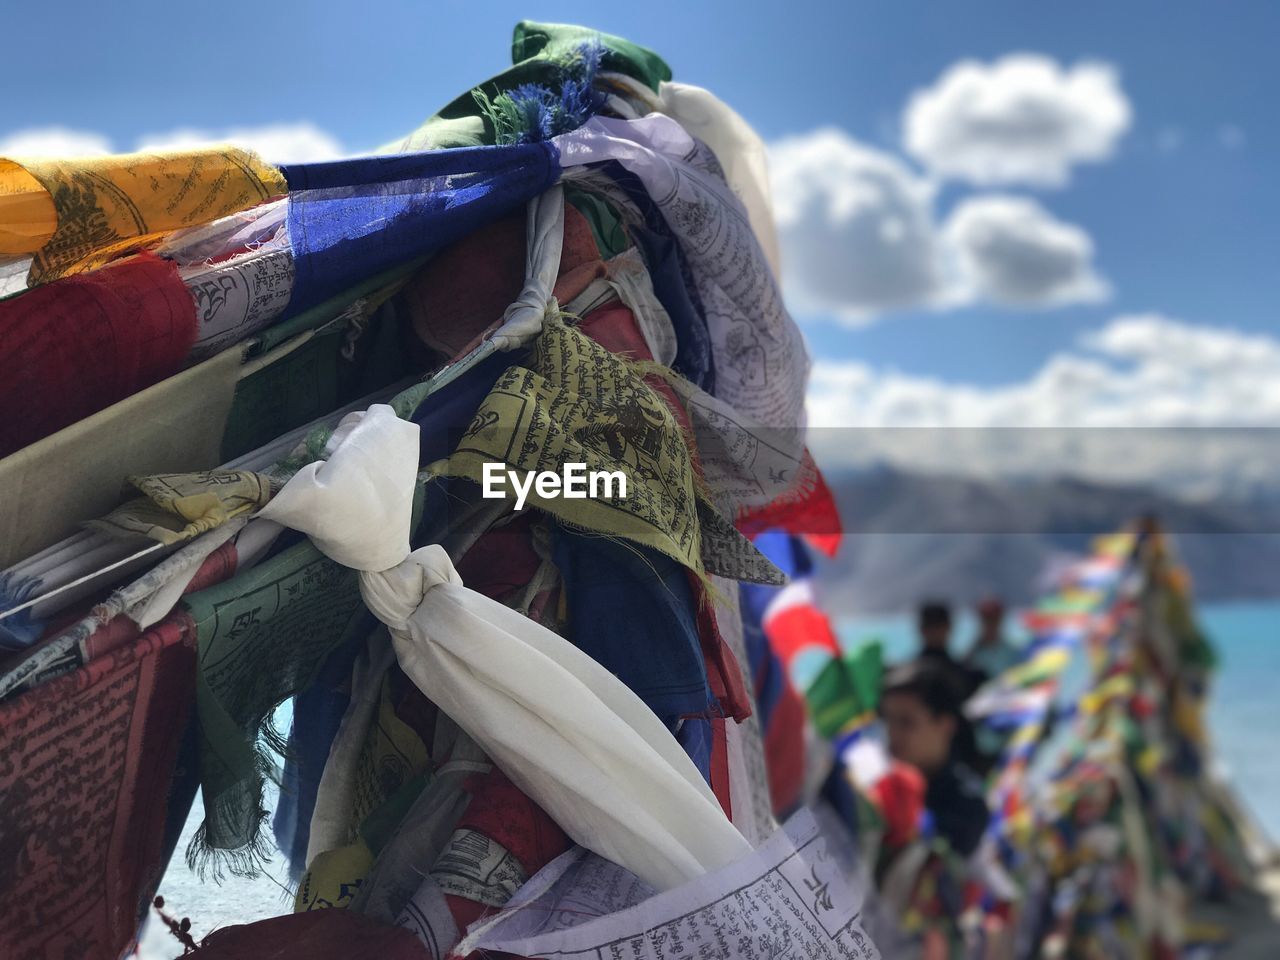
[
  {"x": 860, "y": 237},
  {"x": 1023, "y": 119},
  {"x": 300, "y": 142},
  {"x": 1144, "y": 399}
]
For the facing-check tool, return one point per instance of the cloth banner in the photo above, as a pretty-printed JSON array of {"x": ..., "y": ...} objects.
[
  {"x": 579, "y": 403},
  {"x": 86, "y": 763},
  {"x": 74, "y": 215},
  {"x": 71, "y": 348},
  {"x": 352, "y": 219},
  {"x": 567, "y": 732},
  {"x": 760, "y": 360},
  {"x": 647, "y": 603},
  {"x": 263, "y": 636},
  {"x": 540, "y": 54},
  {"x": 177, "y": 507},
  {"x": 789, "y": 898}
]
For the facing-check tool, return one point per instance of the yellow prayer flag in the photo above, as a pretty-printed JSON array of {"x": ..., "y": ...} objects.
[
  {"x": 176, "y": 507},
  {"x": 75, "y": 214}
]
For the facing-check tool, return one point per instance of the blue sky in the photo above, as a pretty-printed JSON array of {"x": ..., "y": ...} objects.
[{"x": 1180, "y": 215}]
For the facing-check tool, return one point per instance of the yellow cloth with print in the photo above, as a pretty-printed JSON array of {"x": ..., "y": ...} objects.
[
  {"x": 1042, "y": 666},
  {"x": 393, "y": 755},
  {"x": 576, "y": 402},
  {"x": 76, "y": 214},
  {"x": 1105, "y": 693},
  {"x": 334, "y": 878},
  {"x": 176, "y": 507}
]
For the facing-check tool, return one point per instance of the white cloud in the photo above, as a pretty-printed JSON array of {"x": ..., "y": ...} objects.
[
  {"x": 53, "y": 142},
  {"x": 856, "y": 225},
  {"x": 860, "y": 238},
  {"x": 1010, "y": 250},
  {"x": 1022, "y": 119},
  {"x": 1139, "y": 371},
  {"x": 277, "y": 143},
  {"x": 1143, "y": 370},
  {"x": 1224, "y": 375}
]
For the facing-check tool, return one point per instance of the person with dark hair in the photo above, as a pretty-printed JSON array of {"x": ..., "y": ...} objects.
[
  {"x": 920, "y": 705},
  {"x": 934, "y": 624}
]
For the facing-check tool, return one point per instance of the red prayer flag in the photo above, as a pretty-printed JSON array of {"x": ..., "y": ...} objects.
[
  {"x": 75, "y": 346},
  {"x": 86, "y": 762}
]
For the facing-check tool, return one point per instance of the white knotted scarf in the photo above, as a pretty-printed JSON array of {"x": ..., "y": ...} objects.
[
  {"x": 521, "y": 322},
  {"x": 568, "y": 732}
]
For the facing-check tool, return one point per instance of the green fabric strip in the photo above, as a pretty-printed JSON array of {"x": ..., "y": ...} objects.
[
  {"x": 557, "y": 40},
  {"x": 539, "y": 52},
  {"x": 606, "y": 226},
  {"x": 261, "y": 637}
]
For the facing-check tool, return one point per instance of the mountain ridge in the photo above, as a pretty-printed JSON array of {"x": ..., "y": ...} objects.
[{"x": 913, "y": 534}]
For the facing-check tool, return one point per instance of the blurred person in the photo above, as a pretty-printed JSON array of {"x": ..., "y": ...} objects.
[
  {"x": 992, "y": 653},
  {"x": 920, "y": 705},
  {"x": 934, "y": 625}
]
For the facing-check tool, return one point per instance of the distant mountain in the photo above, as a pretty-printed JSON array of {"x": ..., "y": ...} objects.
[{"x": 914, "y": 535}]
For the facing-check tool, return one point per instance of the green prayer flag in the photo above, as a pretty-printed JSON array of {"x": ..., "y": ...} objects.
[
  {"x": 606, "y": 226},
  {"x": 261, "y": 638},
  {"x": 540, "y": 53}
]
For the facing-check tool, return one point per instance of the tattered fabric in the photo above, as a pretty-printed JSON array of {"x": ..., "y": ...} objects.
[
  {"x": 85, "y": 767},
  {"x": 579, "y": 403},
  {"x": 543, "y": 56},
  {"x": 263, "y": 636},
  {"x": 176, "y": 507},
  {"x": 760, "y": 359}
]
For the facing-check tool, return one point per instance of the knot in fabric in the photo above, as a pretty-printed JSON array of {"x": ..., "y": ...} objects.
[
  {"x": 523, "y": 319},
  {"x": 394, "y": 595}
]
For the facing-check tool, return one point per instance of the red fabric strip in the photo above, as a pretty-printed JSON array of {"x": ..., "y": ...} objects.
[
  {"x": 807, "y": 510},
  {"x": 75, "y": 346},
  {"x": 314, "y": 935},
  {"x": 86, "y": 762},
  {"x": 720, "y": 765},
  {"x": 502, "y": 813},
  {"x": 467, "y": 287}
]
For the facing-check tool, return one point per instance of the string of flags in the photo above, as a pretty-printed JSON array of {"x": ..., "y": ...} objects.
[{"x": 250, "y": 555}]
